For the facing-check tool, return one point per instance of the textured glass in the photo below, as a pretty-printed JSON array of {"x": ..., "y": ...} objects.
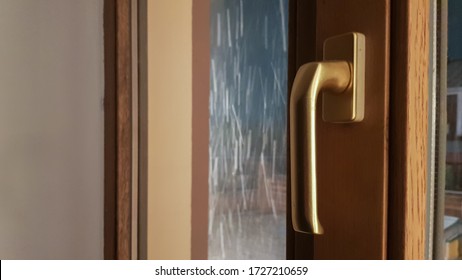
[{"x": 248, "y": 113}]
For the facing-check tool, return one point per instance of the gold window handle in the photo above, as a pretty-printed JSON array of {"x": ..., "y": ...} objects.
[{"x": 340, "y": 79}]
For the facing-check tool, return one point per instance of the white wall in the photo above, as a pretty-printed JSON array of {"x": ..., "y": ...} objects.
[{"x": 51, "y": 129}]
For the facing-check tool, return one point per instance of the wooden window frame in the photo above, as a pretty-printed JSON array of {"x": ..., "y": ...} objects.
[
  {"x": 117, "y": 130},
  {"x": 408, "y": 150},
  {"x": 408, "y": 131}
]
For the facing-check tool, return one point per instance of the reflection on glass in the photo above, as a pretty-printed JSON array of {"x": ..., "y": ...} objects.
[
  {"x": 248, "y": 100},
  {"x": 453, "y": 197}
]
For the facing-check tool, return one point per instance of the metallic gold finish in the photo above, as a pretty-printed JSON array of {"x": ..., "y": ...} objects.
[
  {"x": 333, "y": 78},
  {"x": 311, "y": 78},
  {"x": 348, "y": 106}
]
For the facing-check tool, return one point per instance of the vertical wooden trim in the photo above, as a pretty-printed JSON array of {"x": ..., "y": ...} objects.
[
  {"x": 143, "y": 129},
  {"x": 291, "y": 71},
  {"x": 110, "y": 153},
  {"x": 302, "y": 49},
  {"x": 200, "y": 125},
  {"x": 305, "y": 52},
  {"x": 353, "y": 201},
  {"x": 117, "y": 129},
  {"x": 408, "y": 129},
  {"x": 353, "y": 158},
  {"x": 135, "y": 129},
  {"x": 124, "y": 129}
]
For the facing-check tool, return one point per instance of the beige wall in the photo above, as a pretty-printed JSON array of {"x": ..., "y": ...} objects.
[
  {"x": 169, "y": 128},
  {"x": 51, "y": 129}
]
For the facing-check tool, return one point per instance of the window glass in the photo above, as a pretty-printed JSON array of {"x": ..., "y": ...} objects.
[{"x": 248, "y": 101}]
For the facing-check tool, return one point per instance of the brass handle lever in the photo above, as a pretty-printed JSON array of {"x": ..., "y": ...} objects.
[
  {"x": 310, "y": 79},
  {"x": 341, "y": 81}
]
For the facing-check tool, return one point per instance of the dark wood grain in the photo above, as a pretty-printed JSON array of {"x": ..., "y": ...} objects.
[
  {"x": 302, "y": 49},
  {"x": 291, "y": 70},
  {"x": 143, "y": 130},
  {"x": 124, "y": 129},
  {"x": 353, "y": 158},
  {"x": 117, "y": 130},
  {"x": 110, "y": 150}
]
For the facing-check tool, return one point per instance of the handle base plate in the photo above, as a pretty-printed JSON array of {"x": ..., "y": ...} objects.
[{"x": 349, "y": 105}]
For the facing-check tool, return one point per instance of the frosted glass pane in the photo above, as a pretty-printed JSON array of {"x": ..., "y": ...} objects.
[{"x": 248, "y": 101}]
